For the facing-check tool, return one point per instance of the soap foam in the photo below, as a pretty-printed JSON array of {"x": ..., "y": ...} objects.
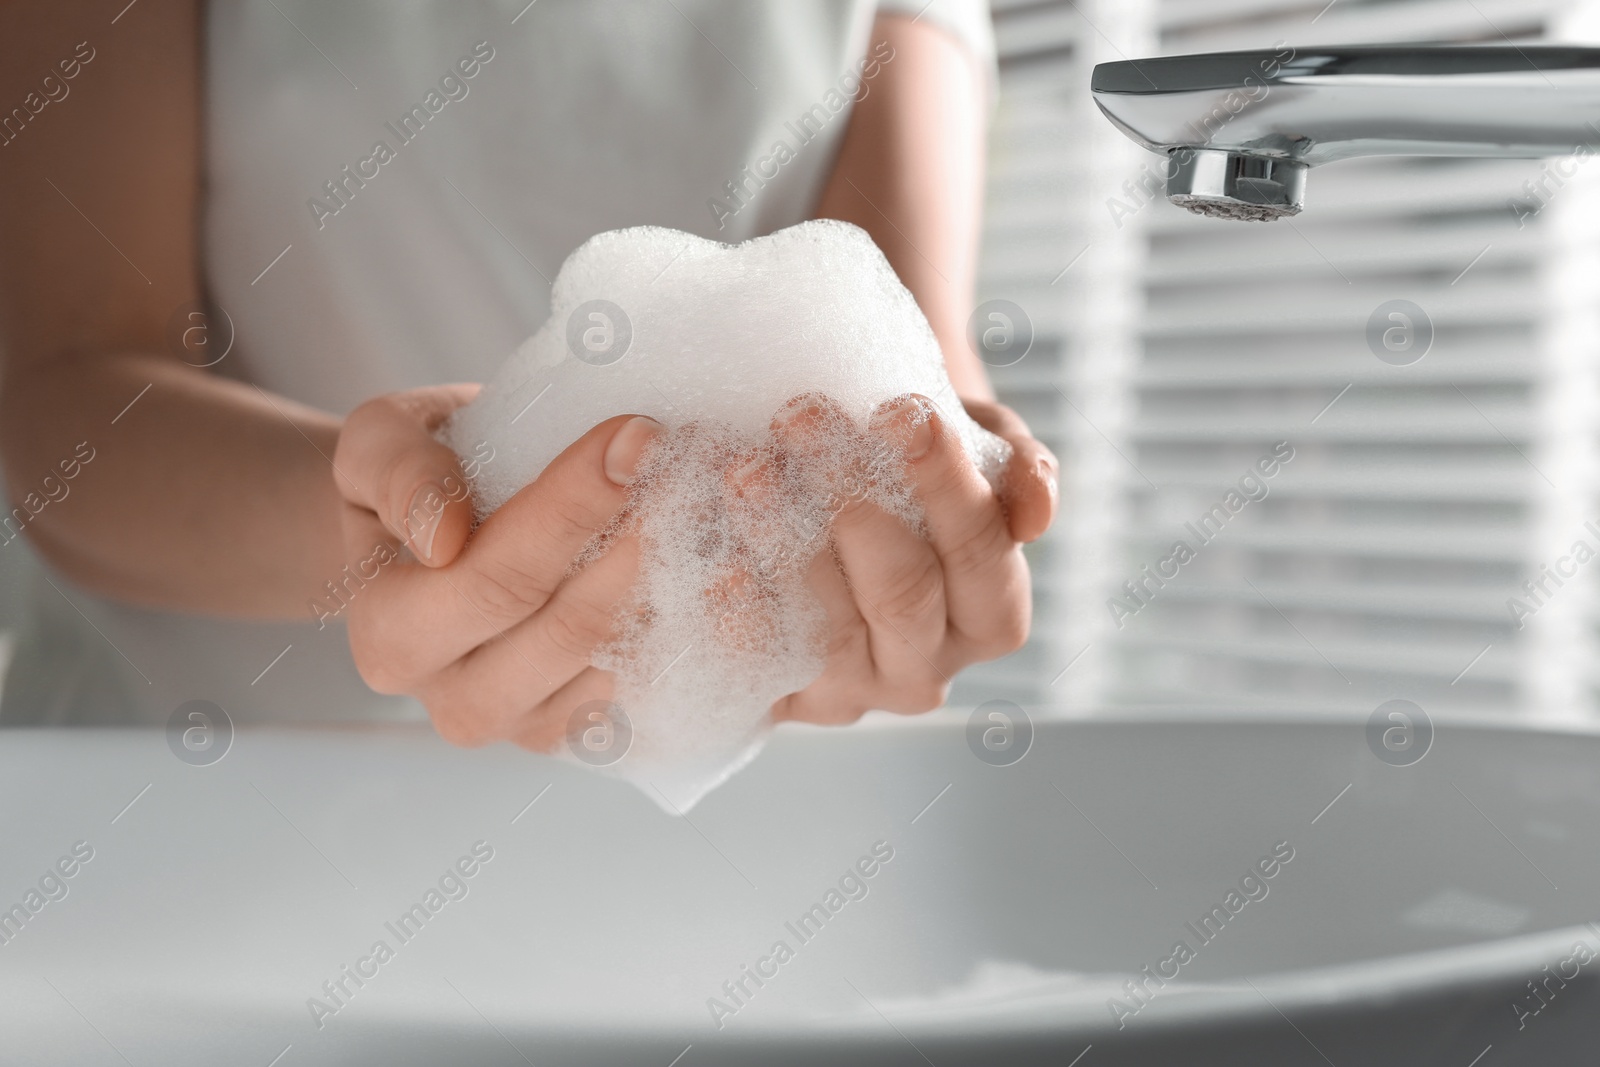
[{"x": 715, "y": 342}]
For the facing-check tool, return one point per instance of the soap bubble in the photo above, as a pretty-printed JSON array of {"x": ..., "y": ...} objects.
[{"x": 764, "y": 362}]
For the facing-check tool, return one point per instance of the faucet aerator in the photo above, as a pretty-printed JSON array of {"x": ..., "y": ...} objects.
[{"x": 1235, "y": 185}]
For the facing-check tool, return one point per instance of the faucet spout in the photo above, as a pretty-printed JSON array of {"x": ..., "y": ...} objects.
[{"x": 1241, "y": 129}]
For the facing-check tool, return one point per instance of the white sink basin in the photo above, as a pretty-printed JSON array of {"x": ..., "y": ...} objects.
[{"x": 1411, "y": 916}]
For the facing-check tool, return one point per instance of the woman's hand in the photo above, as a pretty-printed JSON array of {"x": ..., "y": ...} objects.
[
  {"x": 493, "y": 635},
  {"x": 905, "y": 613}
]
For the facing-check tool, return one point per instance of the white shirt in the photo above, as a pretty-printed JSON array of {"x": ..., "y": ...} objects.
[{"x": 390, "y": 185}]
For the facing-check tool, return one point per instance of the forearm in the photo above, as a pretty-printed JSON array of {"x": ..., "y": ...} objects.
[
  {"x": 910, "y": 173},
  {"x": 138, "y": 476},
  {"x": 201, "y": 494}
]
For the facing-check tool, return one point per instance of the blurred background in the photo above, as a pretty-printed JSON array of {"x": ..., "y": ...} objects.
[{"x": 1171, "y": 352}]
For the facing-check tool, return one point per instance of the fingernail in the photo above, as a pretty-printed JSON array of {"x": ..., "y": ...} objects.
[
  {"x": 921, "y": 438},
  {"x": 802, "y": 404},
  {"x": 804, "y": 415},
  {"x": 421, "y": 521},
  {"x": 1048, "y": 476},
  {"x": 627, "y": 445},
  {"x": 910, "y": 422}
]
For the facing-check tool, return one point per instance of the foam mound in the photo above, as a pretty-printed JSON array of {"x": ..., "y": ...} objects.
[{"x": 715, "y": 341}]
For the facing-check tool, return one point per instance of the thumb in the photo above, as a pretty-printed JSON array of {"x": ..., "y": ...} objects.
[{"x": 392, "y": 469}]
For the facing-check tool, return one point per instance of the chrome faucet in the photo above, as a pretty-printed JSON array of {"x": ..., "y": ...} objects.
[{"x": 1241, "y": 129}]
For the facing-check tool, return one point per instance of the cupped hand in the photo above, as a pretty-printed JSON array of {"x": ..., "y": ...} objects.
[
  {"x": 492, "y": 632},
  {"x": 907, "y": 610},
  {"x": 493, "y": 629}
]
